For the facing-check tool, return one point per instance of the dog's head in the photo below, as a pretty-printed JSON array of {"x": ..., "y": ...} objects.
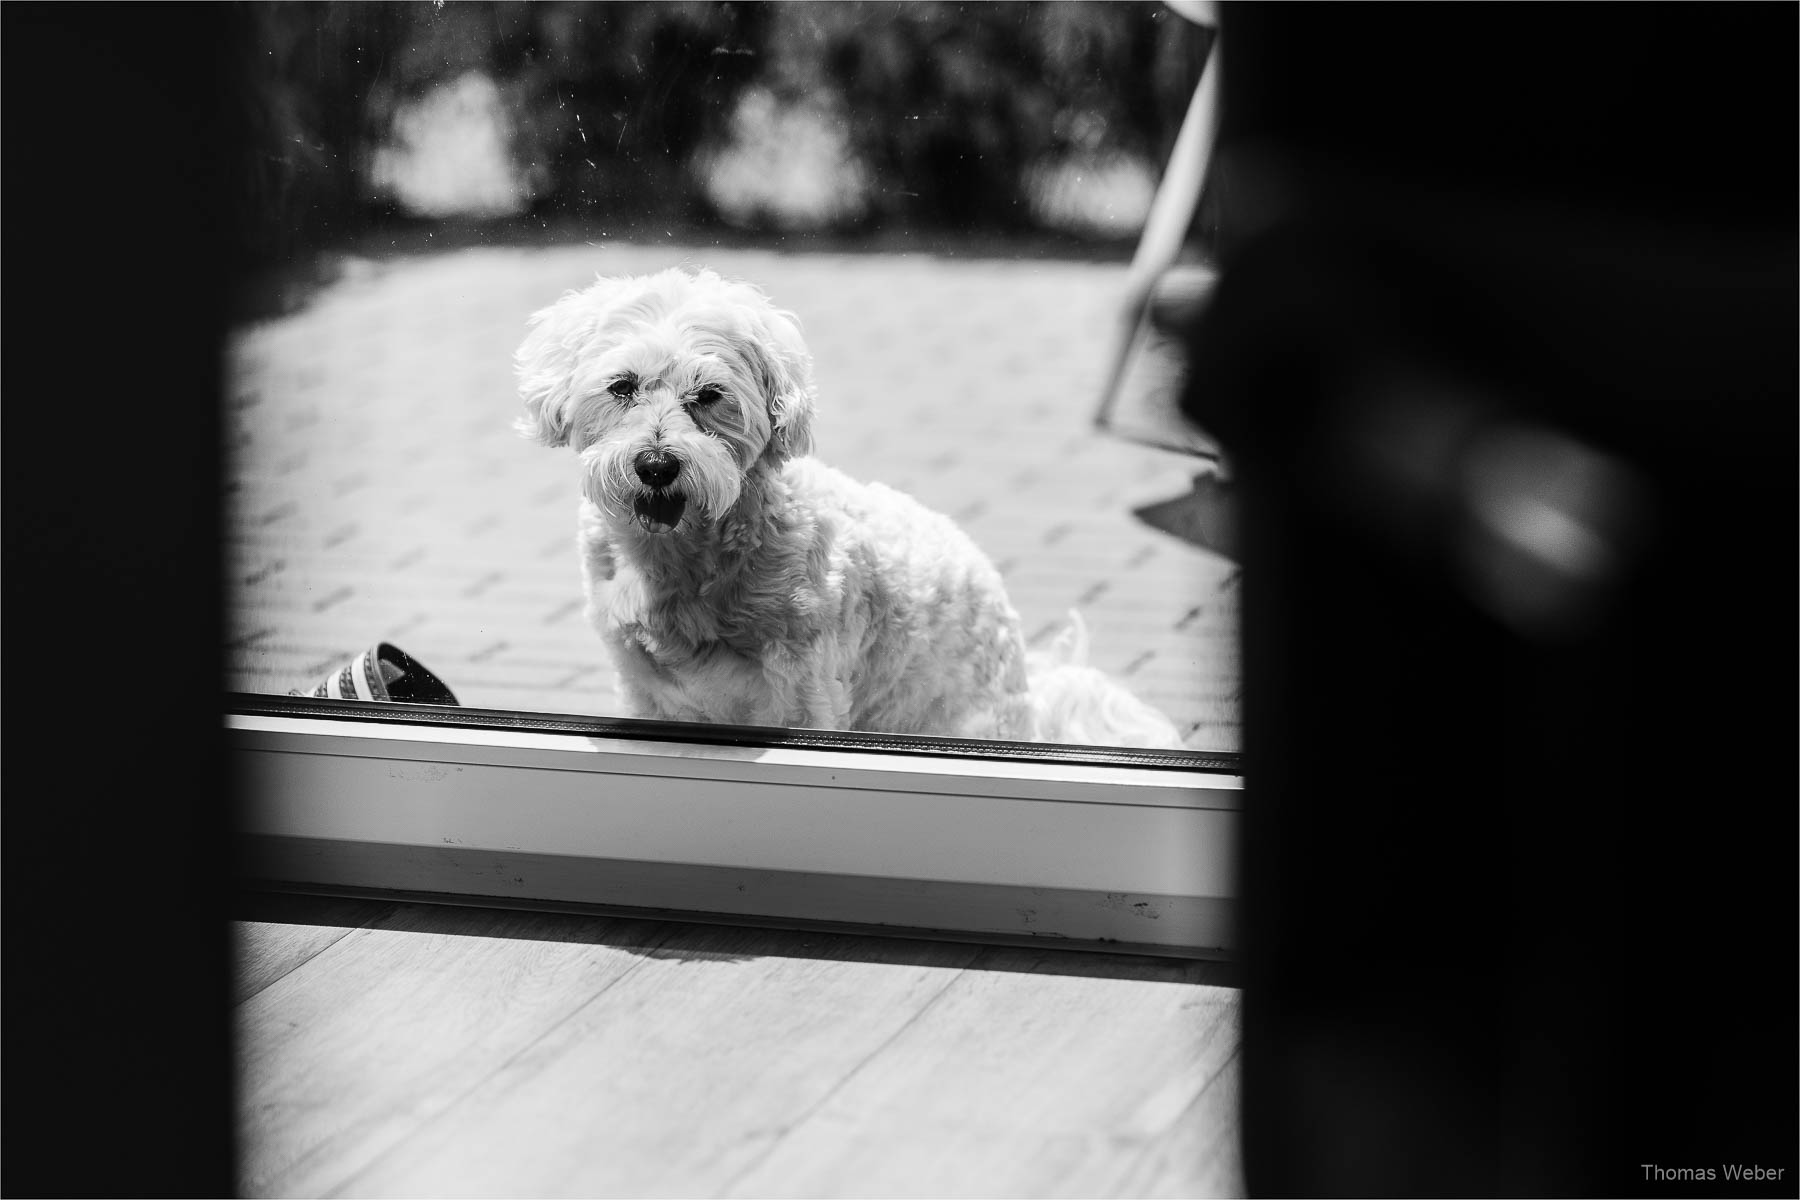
[{"x": 673, "y": 388}]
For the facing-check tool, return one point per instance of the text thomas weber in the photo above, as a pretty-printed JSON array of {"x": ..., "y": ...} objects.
[{"x": 1741, "y": 1172}]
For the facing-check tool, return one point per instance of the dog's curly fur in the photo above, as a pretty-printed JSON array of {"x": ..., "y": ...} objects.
[{"x": 737, "y": 579}]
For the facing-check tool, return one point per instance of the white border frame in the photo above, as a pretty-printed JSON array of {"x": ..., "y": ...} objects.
[{"x": 1085, "y": 853}]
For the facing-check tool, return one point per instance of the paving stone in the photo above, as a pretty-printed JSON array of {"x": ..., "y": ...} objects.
[{"x": 377, "y": 491}]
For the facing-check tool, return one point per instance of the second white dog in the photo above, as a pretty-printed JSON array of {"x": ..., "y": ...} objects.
[{"x": 737, "y": 579}]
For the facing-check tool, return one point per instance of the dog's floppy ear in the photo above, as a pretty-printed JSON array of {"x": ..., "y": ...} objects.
[
  {"x": 545, "y": 361},
  {"x": 788, "y": 385}
]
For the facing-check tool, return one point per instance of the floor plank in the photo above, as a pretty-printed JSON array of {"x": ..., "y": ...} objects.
[
  {"x": 449, "y": 1052},
  {"x": 1200, "y": 1154},
  {"x": 1019, "y": 1081},
  {"x": 278, "y": 935},
  {"x": 343, "y": 1057},
  {"x": 675, "y": 1081}
]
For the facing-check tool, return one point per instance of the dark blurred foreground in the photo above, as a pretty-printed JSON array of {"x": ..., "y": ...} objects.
[
  {"x": 1520, "y": 864},
  {"x": 1505, "y": 354}
]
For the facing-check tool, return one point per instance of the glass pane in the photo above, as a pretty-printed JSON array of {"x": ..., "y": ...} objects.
[{"x": 945, "y": 198}]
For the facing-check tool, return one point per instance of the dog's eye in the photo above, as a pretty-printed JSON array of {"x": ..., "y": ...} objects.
[
  {"x": 708, "y": 395},
  {"x": 624, "y": 387}
]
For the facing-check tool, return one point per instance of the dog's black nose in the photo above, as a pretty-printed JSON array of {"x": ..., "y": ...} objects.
[{"x": 656, "y": 468}]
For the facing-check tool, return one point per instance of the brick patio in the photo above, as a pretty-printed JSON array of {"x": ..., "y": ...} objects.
[{"x": 376, "y": 490}]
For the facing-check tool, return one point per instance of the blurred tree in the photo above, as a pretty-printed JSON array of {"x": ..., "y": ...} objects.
[
  {"x": 303, "y": 74},
  {"x": 950, "y": 104},
  {"x": 617, "y": 98},
  {"x": 946, "y": 106}
]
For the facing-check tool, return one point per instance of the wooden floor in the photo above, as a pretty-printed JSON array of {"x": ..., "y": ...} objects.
[{"x": 411, "y": 1050}]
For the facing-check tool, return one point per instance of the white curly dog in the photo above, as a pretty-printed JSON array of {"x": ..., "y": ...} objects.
[{"x": 737, "y": 579}]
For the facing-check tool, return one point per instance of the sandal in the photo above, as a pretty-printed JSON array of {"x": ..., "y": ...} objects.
[{"x": 384, "y": 673}]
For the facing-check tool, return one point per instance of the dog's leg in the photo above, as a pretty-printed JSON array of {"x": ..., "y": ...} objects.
[
  {"x": 599, "y": 569},
  {"x": 803, "y": 688},
  {"x": 826, "y": 699},
  {"x": 597, "y": 563}
]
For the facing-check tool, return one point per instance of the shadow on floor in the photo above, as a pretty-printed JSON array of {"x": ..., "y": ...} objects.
[{"x": 689, "y": 941}]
